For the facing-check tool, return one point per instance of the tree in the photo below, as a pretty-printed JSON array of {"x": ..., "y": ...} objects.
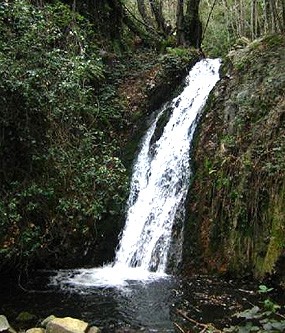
[
  {"x": 143, "y": 12},
  {"x": 188, "y": 24},
  {"x": 234, "y": 23},
  {"x": 106, "y": 15},
  {"x": 156, "y": 8},
  {"x": 193, "y": 25}
]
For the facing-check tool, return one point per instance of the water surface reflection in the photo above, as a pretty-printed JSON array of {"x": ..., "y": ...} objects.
[
  {"x": 147, "y": 306},
  {"x": 140, "y": 305}
]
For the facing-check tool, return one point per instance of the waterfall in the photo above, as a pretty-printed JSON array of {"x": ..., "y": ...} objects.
[
  {"x": 159, "y": 184},
  {"x": 161, "y": 175}
]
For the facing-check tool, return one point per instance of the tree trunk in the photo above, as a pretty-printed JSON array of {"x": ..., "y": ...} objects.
[
  {"x": 189, "y": 26},
  {"x": 281, "y": 9},
  {"x": 266, "y": 16},
  {"x": 115, "y": 19},
  {"x": 193, "y": 25},
  {"x": 276, "y": 19},
  {"x": 149, "y": 36},
  {"x": 280, "y": 12},
  {"x": 180, "y": 38},
  {"x": 156, "y": 8},
  {"x": 143, "y": 12},
  {"x": 253, "y": 19}
]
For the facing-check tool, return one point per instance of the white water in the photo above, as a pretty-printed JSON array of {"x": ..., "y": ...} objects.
[{"x": 158, "y": 190}]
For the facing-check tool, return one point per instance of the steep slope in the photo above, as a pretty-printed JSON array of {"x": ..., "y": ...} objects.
[{"x": 237, "y": 198}]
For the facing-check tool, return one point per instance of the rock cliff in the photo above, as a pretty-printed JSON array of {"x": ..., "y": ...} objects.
[{"x": 236, "y": 204}]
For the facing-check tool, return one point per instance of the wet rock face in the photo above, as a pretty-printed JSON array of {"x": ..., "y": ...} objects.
[{"x": 237, "y": 199}]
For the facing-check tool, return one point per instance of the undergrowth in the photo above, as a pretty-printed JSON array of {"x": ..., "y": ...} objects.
[{"x": 60, "y": 167}]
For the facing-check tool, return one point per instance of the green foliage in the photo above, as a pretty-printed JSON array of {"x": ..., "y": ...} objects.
[
  {"x": 218, "y": 38},
  {"x": 264, "y": 289},
  {"x": 178, "y": 51},
  {"x": 260, "y": 319},
  {"x": 176, "y": 60},
  {"x": 60, "y": 171}
]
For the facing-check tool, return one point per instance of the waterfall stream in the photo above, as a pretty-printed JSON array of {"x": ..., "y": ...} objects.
[
  {"x": 161, "y": 175},
  {"x": 159, "y": 186}
]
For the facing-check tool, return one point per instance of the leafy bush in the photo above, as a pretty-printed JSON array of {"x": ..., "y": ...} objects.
[{"x": 60, "y": 171}]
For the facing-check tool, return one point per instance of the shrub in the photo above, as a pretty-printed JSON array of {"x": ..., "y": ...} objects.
[{"x": 60, "y": 170}]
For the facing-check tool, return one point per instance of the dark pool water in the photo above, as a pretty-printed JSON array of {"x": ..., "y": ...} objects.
[
  {"x": 138, "y": 305},
  {"x": 148, "y": 307}
]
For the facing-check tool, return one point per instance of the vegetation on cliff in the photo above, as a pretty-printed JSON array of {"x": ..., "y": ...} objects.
[{"x": 237, "y": 201}]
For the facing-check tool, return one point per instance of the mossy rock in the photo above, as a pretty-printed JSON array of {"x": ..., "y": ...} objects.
[{"x": 25, "y": 317}]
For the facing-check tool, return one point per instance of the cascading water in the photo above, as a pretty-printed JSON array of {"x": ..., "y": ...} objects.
[
  {"x": 161, "y": 176},
  {"x": 158, "y": 189}
]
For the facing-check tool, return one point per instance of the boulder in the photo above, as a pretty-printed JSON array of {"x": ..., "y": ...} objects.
[
  {"x": 26, "y": 317},
  {"x": 47, "y": 320},
  {"x": 4, "y": 324},
  {"x": 36, "y": 330},
  {"x": 66, "y": 325},
  {"x": 93, "y": 329}
]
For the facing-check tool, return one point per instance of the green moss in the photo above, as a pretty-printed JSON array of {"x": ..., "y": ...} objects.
[
  {"x": 26, "y": 317},
  {"x": 277, "y": 235}
]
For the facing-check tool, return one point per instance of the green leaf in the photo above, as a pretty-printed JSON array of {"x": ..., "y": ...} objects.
[
  {"x": 264, "y": 289},
  {"x": 280, "y": 326},
  {"x": 245, "y": 329},
  {"x": 271, "y": 306},
  {"x": 253, "y": 313}
]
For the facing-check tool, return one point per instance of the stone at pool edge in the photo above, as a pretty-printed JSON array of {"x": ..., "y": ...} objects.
[
  {"x": 5, "y": 326},
  {"x": 36, "y": 330},
  {"x": 47, "y": 320},
  {"x": 26, "y": 317},
  {"x": 53, "y": 325},
  {"x": 69, "y": 325}
]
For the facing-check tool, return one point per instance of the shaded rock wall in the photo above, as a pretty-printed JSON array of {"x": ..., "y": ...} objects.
[{"x": 236, "y": 210}]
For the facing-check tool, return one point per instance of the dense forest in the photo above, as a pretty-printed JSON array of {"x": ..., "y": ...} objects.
[{"x": 78, "y": 79}]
